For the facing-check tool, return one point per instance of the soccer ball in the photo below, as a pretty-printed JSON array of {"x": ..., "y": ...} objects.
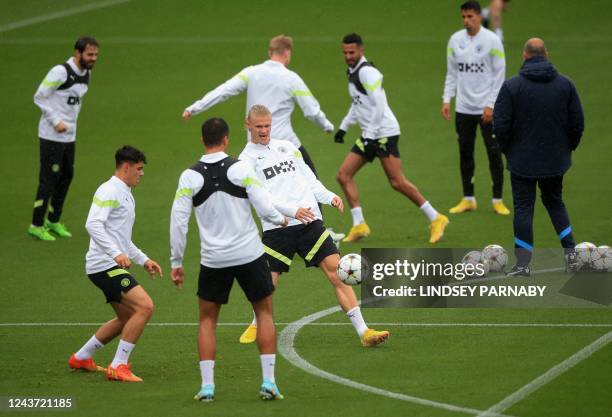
[
  {"x": 349, "y": 269},
  {"x": 584, "y": 254},
  {"x": 601, "y": 259},
  {"x": 475, "y": 258},
  {"x": 497, "y": 257}
]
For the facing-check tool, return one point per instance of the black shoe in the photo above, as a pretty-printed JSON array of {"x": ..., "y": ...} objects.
[
  {"x": 571, "y": 262},
  {"x": 519, "y": 271}
]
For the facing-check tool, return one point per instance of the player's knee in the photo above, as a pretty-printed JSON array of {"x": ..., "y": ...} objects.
[
  {"x": 67, "y": 176},
  {"x": 551, "y": 201},
  {"x": 342, "y": 177},
  {"x": 146, "y": 308},
  {"x": 400, "y": 184}
]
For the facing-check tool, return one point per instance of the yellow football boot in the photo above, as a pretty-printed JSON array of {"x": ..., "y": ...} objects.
[
  {"x": 249, "y": 335},
  {"x": 500, "y": 208},
  {"x": 357, "y": 232},
  {"x": 373, "y": 337},
  {"x": 463, "y": 206},
  {"x": 436, "y": 228}
]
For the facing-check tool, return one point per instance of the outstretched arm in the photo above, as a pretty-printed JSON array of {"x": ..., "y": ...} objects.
[
  {"x": 309, "y": 105},
  {"x": 230, "y": 88}
]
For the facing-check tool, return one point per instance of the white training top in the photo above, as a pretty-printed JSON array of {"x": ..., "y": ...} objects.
[
  {"x": 279, "y": 166},
  {"x": 59, "y": 105},
  {"x": 276, "y": 87},
  {"x": 109, "y": 224},
  {"x": 476, "y": 68},
  {"x": 228, "y": 233},
  {"x": 371, "y": 111}
]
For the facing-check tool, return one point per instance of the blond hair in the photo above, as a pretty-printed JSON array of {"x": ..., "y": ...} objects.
[
  {"x": 279, "y": 44},
  {"x": 258, "y": 110}
]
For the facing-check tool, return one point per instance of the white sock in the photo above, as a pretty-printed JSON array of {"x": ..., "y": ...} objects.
[
  {"x": 357, "y": 319},
  {"x": 469, "y": 198},
  {"x": 254, "y": 322},
  {"x": 89, "y": 348},
  {"x": 123, "y": 353},
  {"x": 497, "y": 200},
  {"x": 267, "y": 366},
  {"x": 429, "y": 211},
  {"x": 207, "y": 371},
  {"x": 357, "y": 214}
]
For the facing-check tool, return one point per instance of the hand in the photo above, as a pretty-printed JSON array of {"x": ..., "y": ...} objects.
[
  {"x": 153, "y": 268},
  {"x": 61, "y": 127},
  {"x": 446, "y": 111},
  {"x": 285, "y": 223},
  {"x": 339, "y": 136},
  {"x": 186, "y": 115},
  {"x": 338, "y": 203},
  {"x": 487, "y": 115},
  {"x": 304, "y": 215},
  {"x": 178, "y": 276},
  {"x": 123, "y": 261}
]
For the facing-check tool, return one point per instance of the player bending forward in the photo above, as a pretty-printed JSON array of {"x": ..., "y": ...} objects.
[
  {"x": 110, "y": 255},
  {"x": 281, "y": 169}
]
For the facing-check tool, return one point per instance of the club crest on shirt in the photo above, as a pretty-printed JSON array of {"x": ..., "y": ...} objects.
[
  {"x": 478, "y": 48},
  {"x": 282, "y": 149}
]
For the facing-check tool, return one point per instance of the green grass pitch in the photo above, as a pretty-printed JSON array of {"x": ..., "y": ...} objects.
[{"x": 159, "y": 56}]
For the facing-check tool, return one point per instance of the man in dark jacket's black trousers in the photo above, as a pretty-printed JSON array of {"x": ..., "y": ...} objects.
[{"x": 538, "y": 122}]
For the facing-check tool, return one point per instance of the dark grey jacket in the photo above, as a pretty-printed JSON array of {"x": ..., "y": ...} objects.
[{"x": 538, "y": 120}]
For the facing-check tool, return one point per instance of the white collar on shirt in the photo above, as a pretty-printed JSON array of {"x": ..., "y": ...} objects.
[
  {"x": 361, "y": 61},
  {"x": 211, "y": 158},
  {"x": 271, "y": 62},
  {"x": 70, "y": 61},
  {"x": 119, "y": 183}
]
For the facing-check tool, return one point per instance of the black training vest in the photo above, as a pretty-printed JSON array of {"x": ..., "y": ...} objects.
[
  {"x": 354, "y": 76},
  {"x": 73, "y": 78},
  {"x": 215, "y": 179}
]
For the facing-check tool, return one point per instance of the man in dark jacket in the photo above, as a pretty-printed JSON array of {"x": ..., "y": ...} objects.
[{"x": 538, "y": 122}]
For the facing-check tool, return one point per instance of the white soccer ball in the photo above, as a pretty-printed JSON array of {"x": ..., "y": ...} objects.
[
  {"x": 475, "y": 258},
  {"x": 497, "y": 257},
  {"x": 584, "y": 254},
  {"x": 349, "y": 269},
  {"x": 601, "y": 259}
]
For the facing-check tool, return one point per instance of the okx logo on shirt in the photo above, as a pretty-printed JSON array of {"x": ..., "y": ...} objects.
[{"x": 280, "y": 168}]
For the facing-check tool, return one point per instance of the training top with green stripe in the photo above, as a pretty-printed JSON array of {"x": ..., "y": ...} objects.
[
  {"x": 109, "y": 224},
  {"x": 220, "y": 199},
  {"x": 279, "y": 166},
  {"x": 274, "y": 86},
  {"x": 476, "y": 68},
  {"x": 369, "y": 108},
  {"x": 59, "y": 98}
]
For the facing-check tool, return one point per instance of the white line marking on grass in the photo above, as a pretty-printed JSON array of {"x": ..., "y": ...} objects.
[
  {"x": 58, "y": 15},
  {"x": 395, "y": 324},
  {"x": 548, "y": 376},
  {"x": 287, "y": 350}
]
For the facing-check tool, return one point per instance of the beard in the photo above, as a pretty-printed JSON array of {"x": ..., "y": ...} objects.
[{"x": 86, "y": 64}]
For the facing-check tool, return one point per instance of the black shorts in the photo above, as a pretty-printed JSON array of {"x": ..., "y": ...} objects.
[
  {"x": 372, "y": 148},
  {"x": 311, "y": 241},
  {"x": 113, "y": 282},
  {"x": 254, "y": 278}
]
